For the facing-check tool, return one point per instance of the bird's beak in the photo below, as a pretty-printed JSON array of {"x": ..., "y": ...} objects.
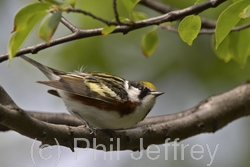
[{"x": 157, "y": 93}]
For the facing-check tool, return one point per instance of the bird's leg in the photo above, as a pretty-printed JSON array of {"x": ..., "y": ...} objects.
[{"x": 88, "y": 126}]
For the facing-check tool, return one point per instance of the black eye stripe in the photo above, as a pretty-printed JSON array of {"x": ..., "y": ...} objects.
[{"x": 144, "y": 90}]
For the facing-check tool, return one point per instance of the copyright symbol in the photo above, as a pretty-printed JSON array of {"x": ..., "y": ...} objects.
[{"x": 41, "y": 155}]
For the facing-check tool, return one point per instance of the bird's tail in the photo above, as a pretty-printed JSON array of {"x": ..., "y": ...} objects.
[{"x": 51, "y": 73}]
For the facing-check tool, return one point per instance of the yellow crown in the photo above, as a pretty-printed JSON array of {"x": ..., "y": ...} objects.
[{"x": 148, "y": 84}]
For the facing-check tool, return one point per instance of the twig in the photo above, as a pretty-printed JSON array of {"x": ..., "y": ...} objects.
[
  {"x": 116, "y": 12},
  {"x": 157, "y": 6},
  {"x": 108, "y": 22},
  {"x": 70, "y": 26},
  {"x": 241, "y": 27}
]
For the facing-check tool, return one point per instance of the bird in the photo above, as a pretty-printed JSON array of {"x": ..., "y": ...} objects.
[{"x": 101, "y": 100}]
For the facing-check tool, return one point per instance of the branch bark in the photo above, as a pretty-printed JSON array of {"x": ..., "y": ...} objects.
[{"x": 210, "y": 115}]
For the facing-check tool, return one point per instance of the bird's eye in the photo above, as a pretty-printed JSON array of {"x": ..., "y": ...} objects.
[
  {"x": 137, "y": 85},
  {"x": 140, "y": 87},
  {"x": 144, "y": 91}
]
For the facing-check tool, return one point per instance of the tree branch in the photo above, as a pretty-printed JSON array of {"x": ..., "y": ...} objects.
[
  {"x": 80, "y": 33},
  {"x": 67, "y": 24},
  {"x": 108, "y": 22},
  {"x": 54, "y": 118},
  {"x": 209, "y": 116},
  {"x": 157, "y": 6},
  {"x": 163, "y": 8},
  {"x": 205, "y": 31}
]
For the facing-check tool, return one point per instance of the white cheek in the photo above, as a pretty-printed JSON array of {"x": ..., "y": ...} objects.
[{"x": 133, "y": 92}]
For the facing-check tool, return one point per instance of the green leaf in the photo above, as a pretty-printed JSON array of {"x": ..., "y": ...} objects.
[
  {"x": 60, "y": 4},
  {"x": 139, "y": 16},
  {"x": 66, "y": 3},
  {"x": 235, "y": 46},
  {"x": 130, "y": 4},
  {"x": 240, "y": 46},
  {"x": 189, "y": 28},
  {"x": 222, "y": 51},
  {"x": 108, "y": 29},
  {"x": 227, "y": 20},
  {"x": 245, "y": 13},
  {"x": 123, "y": 20},
  {"x": 149, "y": 43},
  {"x": 25, "y": 20},
  {"x": 72, "y": 3},
  {"x": 49, "y": 25}
]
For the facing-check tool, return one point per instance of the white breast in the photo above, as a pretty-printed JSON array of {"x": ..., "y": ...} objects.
[{"x": 105, "y": 119}]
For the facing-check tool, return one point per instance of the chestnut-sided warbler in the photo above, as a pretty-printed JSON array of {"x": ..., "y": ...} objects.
[{"x": 101, "y": 100}]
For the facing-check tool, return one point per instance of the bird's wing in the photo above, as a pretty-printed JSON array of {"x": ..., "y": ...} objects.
[{"x": 86, "y": 86}]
